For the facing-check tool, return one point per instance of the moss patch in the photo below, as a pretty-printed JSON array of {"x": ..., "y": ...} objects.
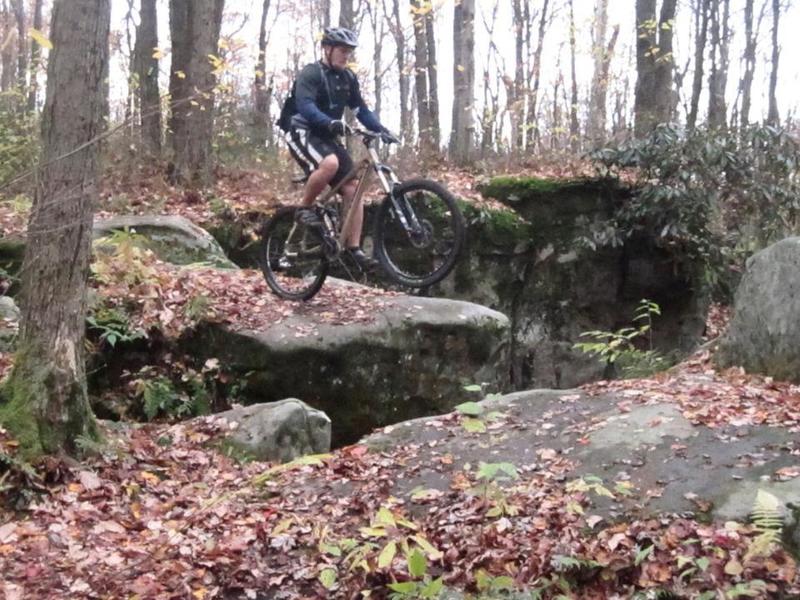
[
  {"x": 516, "y": 189},
  {"x": 17, "y": 416},
  {"x": 495, "y": 227},
  {"x": 43, "y": 425}
]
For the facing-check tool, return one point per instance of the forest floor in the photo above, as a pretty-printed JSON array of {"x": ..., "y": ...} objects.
[{"x": 158, "y": 511}]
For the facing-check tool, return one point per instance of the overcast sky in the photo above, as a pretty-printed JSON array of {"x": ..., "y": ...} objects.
[{"x": 294, "y": 30}]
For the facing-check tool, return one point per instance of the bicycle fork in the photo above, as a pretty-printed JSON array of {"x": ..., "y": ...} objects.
[{"x": 401, "y": 209}]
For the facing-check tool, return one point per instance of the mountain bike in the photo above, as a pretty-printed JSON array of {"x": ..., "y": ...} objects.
[{"x": 418, "y": 232}]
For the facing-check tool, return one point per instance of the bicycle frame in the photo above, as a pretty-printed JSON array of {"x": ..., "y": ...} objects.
[{"x": 388, "y": 179}]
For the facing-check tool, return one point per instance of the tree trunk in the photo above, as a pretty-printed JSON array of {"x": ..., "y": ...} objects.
[
  {"x": 574, "y": 126},
  {"x": 773, "y": 118},
  {"x": 701, "y": 35},
  {"x": 33, "y": 86},
  {"x": 515, "y": 90},
  {"x": 654, "y": 64},
  {"x": 325, "y": 14},
  {"x": 462, "y": 132},
  {"x": 426, "y": 141},
  {"x": 261, "y": 121},
  {"x": 22, "y": 50},
  {"x": 147, "y": 73},
  {"x": 396, "y": 27},
  {"x": 7, "y": 35},
  {"x": 379, "y": 33},
  {"x": 197, "y": 26},
  {"x": 433, "y": 82},
  {"x": 178, "y": 86},
  {"x": 490, "y": 99},
  {"x": 602, "y": 62},
  {"x": 347, "y": 14},
  {"x": 718, "y": 77},
  {"x": 532, "y": 132},
  {"x": 749, "y": 59},
  {"x": 47, "y": 405}
]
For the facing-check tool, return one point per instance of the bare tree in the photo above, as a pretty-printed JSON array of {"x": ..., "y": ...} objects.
[
  {"x": 324, "y": 14},
  {"x": 701, "y": 9},
  {"x": 574, "y": 125},
  {"x": 462, "y": 133},
  {"x": 347, "y": 14},
  {"x": 396, "y": 29},
  {"x": 8, "y": 35},
  {"x": 263, "y": 92},
  {"x": 428, "y": 130},
  {"x": 146, "y": 67},
  {"x": 772, "y": 114},
  {"x": 433, "y": 80},
  {"x": 602, "y": 52},
  {"x": 46, "y": 399},
  {"x": 378, "y": 26},
  {"x": 531, "y": 127},
  {"x": 654, "y": 64},
  {"x": 490, "y": 114},
  {"x": 718, "y": 76},
  {"x": 515, "y": 88},
  {"x": 195, "y": 26},
  {"x": 33, "y": 85},
  {"x": 22, "y": 49}
]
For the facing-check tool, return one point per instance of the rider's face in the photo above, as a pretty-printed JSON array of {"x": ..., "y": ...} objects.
[{"x": 339, "y": 56}]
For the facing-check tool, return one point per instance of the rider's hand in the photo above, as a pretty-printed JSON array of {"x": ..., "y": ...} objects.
[
  {"x": 387, "y": 137},
  {"x": 338, "y": 128}
]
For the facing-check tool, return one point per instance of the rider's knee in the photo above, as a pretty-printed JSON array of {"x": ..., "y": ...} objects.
[{"x": 329, "y": 164}]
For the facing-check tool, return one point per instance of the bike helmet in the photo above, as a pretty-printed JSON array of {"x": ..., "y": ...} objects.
[{"x": 340, "y": 36}]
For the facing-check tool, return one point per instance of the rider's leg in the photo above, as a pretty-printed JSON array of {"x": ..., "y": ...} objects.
[
  {"x": 321, "y": 176},
  {"x": 348, "y": 191}
]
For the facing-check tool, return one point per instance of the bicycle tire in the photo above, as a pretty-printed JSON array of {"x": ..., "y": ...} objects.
[
  {"x": 421, "y": 262},
  {"x": 296, "y": 275}
]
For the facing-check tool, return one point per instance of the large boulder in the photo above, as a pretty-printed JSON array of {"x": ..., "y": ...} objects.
[
  {"x": 174, "y": 239},
  {"x": 413, "y": 359},
  {"x": 669, "y": 464},
  {"x": 543, "y": 262},
  {"x": 278, "y": 431},
  {"x": 764, "y": 334}
]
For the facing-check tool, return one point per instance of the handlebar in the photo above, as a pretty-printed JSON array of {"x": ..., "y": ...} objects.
[{"x": 370, "y": 136}]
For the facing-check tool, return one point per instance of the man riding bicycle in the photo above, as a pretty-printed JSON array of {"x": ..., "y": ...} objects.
[{"x": 321, "y": 93}]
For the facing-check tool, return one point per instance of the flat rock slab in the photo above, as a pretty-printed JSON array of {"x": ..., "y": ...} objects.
[
  {"x": 412, "y": 358},
  {"x": 672, "y": 465}
]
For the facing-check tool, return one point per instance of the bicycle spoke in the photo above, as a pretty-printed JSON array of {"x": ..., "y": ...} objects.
[
  {"x": 420, "y": 234},
  {"x": 292, "y": 257}
]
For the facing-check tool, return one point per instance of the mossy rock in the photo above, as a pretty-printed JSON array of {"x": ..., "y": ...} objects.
[
  {"x": 559, "y": 211},
  {"x": 489, "y": 229},
  {"x": 174, "y": 240},
  {"x": 511, "y": 190}
]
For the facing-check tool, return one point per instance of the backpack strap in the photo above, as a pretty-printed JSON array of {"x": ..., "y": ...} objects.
[{"x": 326, "y": 85}]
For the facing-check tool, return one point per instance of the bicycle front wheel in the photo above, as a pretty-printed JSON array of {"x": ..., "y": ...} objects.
[
  {"x": 292, "y": 257},
  {"x": 419, "y": 233}
]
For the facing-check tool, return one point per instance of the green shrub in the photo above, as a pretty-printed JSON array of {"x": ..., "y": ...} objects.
[
  {"x": 619, "y": 347},
  {"x": 710, "y": 197}
]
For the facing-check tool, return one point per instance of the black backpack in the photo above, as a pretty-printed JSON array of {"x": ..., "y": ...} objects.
[{"x": 289, "y": 109}]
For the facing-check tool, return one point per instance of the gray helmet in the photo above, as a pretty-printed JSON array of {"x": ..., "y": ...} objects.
[{"x": 339, "y": 36}]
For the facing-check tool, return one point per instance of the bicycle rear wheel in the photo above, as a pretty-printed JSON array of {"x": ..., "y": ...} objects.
[
  {"x": 419, "y": 233},
  {"x": 292, "y": 257}
]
